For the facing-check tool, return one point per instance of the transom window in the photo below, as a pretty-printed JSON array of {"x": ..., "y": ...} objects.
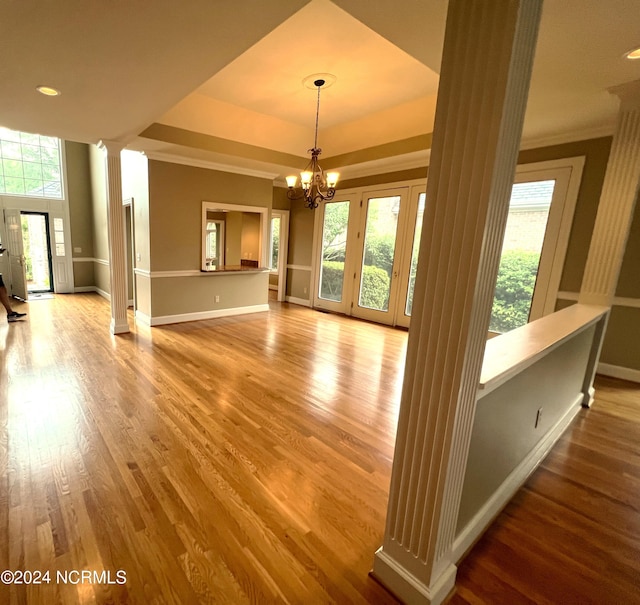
[{"x": 30, "y": 165}]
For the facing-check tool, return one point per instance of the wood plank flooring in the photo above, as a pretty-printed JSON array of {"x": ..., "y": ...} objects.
[
  {"x": 571, "y": 535},
  {"x": 247, "y": 460},
  {"x": 241, "y": 460}
]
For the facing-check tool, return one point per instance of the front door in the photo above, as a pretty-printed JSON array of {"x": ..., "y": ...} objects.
[{"x": 17, "y": 264}]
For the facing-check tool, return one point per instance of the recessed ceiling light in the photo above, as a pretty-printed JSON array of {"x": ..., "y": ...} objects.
[
  {"x": 633, "y": 54},
  {"x": 48, "y": 91}
]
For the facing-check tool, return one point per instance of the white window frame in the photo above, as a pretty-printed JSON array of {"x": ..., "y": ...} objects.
[
  {"x": 56, "y": 208},
  {"x": 567, "y": 172}
]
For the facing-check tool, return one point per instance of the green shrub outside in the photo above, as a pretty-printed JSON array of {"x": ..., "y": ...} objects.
[
  {"x": 374, "y": 293},
  {"x": 514, "y": 290},
  {"x": 331, "y": 280}
]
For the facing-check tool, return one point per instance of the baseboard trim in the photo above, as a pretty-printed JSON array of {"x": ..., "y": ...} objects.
[
  {"x": 406, "y": 586},
  {"x": 621, "y": 372},
  {"x": 485, "y": 516},
  {"x": 298, "y": 301},
  {"x": 185, "y": 317},
  {"x": 142, "y": 318},
  {"x": 82, "y": 289}
]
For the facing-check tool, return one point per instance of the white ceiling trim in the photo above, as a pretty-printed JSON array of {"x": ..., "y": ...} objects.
[
  {"x": 568, "y": 137},
  {"x": 186, "y": 161}
]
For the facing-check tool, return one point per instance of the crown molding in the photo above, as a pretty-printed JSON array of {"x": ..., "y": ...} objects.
[
  {"x": 568, "y": 137},
  {"x": 198, "y": 163}
]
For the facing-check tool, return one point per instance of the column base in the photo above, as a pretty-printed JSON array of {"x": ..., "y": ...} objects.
[
  {"x": 119, "y": 327},
  {"x": 407, "y": 587}
]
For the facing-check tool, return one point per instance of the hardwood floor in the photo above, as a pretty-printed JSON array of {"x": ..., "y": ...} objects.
[
  {"x": 247, "y": 460},
  {"x": 571, "y": 535},
  {"x": 241, "y": 460}
]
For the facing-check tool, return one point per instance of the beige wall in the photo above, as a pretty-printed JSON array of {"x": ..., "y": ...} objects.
[
  {"x": 299, "y": 284},
  {"x": 233, "y": 238},
  {"x": 176, "y": 193},
  {"x": 235, "y": 290},
  {"x": 250, "y": 241}
]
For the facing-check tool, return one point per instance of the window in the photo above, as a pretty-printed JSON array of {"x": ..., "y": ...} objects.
[
  {"x": 30, "y": 165},
  {"x": 274, "y": 252},
  {"x": 58, "y": 236},
  {"x": 521, "y": 251}
]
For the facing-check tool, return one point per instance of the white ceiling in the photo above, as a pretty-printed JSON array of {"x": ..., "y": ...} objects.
[{"x": 234, "y": 72}]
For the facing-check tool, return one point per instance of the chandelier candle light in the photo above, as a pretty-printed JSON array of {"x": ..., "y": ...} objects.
[{"x": 315, "y": 186}]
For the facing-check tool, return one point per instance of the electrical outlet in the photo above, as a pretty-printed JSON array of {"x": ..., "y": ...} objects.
[
  {"x": 138, "y": 257},
  {"x": 217, "y": 299},
  {"x": 305, "y": 290},
  {"x": 538, "y": 418},
  {"x": 77, "y": 250}
]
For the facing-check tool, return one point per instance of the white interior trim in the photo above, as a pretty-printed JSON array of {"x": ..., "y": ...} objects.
[
  {"x": 298, "y": 301},
  {"x": 199, "y": 163},
  {"x": 608, "y": 369},
  {"x": 184, "y": 317}
]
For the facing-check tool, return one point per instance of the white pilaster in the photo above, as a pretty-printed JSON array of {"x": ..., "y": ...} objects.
[
  {"x": 486, "y": 67},
  {"x": 617, "y": 202},
  {"x": 115, "y": 226}
]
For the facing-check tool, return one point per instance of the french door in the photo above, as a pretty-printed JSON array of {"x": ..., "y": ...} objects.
[
  {"x": 365, "y": 254},
  {"x": 368, "y": 242},
  {"x": 335, "y": 226}
]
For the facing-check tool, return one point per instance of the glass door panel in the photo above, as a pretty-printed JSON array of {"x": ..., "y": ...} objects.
[
  {"x": 335, "y": 223},
  {"x": 521, "y": 251},
  {"x": 376, "y": 291},
  {"x": 379, "y": 250},
  {"x": 417, "y": 234},
  {"x": 407, "y": 254}
]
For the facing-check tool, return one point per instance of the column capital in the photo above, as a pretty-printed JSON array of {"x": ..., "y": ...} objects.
[
  {"x": 628, "y": 93},
  {"x": 111, "y": 147}
]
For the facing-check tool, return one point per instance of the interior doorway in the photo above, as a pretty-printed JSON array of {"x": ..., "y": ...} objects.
[{"x": 36, "y": 241}]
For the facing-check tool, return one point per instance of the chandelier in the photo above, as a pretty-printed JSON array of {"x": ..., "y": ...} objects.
[{"x": 315, "y": 185}]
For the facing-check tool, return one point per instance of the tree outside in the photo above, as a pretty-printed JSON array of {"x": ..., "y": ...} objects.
[{"x": 514, "y": 290}]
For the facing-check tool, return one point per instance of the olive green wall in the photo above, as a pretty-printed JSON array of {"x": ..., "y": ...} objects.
[
  {"x": 622, "y": 342},
  {"x": 80, "y": 212},
  {"x": 629, "y": 281},
  {"x": 301, "y": 221},
  {"x": 79, "y": 191},
  {"x": 99, "y": 214},
  {"x": 176, "y": 193},
  {"x": 280, "y": 201},
  {"x": 300, "y": 234}
]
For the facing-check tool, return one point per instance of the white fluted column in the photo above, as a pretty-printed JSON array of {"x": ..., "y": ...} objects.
[
  {"x": 115, "y": 227},
  {"x": 617, "y": 202},
  {"x": 484, "y": 80}
]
